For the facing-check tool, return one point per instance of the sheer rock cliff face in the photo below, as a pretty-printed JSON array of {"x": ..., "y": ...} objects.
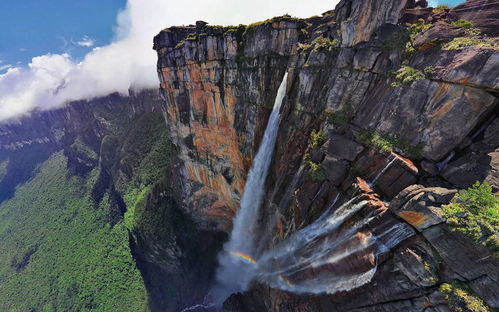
[{"x": 219, "y": 85}]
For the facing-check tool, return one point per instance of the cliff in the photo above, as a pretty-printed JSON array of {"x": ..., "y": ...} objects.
[
  {"x": 389, "y": 119},
  {"x": 382, "y": 91}
]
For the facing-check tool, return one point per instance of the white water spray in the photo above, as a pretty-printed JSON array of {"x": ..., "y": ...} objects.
[
  {"x": 234, "y": 275},
  {"x": 382, "y": 172},
  {"x": 330, "y": 255},
  {"x": 337, "y": 252}
]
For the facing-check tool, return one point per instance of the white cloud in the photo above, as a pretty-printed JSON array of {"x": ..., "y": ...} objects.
[
  {"x": 4, "y": 67},
  {"x": 85, "y": 41},
  {"x": 53, "y": 79}
]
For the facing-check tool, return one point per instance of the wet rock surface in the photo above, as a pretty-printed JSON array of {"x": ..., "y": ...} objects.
[
  {"x": 349, "y": 129},
  {"x": 414, "y": 143}
]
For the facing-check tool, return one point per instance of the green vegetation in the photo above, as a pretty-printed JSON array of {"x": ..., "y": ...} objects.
[
  {"x": 414, "y": 31},
  {"x": 285, "y": 17},
  {"x": 82, "y": 149},
  {"x": 317, "y": 138},
  {"x": 180, "y": 44},
  {"x": 460, "y": 298},
  {"x": 475, "y": 213},
  {"x": 321, "y": 43},
  {"x": 192, "y": 37},
  {"x": 328, "y": 13},
  {"x": 146, "y": 151},
  {"x": 317, "y": 172},
  {"x": 427, "y": 266},
  {"x": 64, "y": 246},
  {"x": 463, "y": 23},
  {"x": 304, "y": 46},
  {"x": 473, "y": 38},
  {"x": 406, "y": 75},
  {"x": 417, "y": 28},
  {"x": 463, "y": 42},
  {"x": 135, "y": 200},
  {"x": 339, "y": 117},
  {"x": 58, "y": 251},
  {"x": 390, "y": 144},
  {"x": 232, "y": 29},
  {"x": 429, "y": 70},
  {"x": 440, "y": 8}
]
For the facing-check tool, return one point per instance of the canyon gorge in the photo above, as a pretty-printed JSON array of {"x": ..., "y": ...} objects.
[{"x": 287, "y": 165}]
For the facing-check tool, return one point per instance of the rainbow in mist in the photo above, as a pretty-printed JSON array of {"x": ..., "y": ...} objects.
[{"x": 243, "y": 256}]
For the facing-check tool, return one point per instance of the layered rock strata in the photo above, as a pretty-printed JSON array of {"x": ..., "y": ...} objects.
[{"x": 397, "y": 110}]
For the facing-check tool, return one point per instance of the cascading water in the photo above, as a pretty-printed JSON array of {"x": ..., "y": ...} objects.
[
  {"x": 233, "y": 274},
  {"x": 382, "y": 172},
  {"x": 335, "y": 253}
]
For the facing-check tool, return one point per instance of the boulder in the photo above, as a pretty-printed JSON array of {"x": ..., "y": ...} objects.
[
  {"x": 461, "y": 254},
  {"x": 341, "y": 147},
  {"x": 336, "y": 169},
  {"x": 438, "y": 33},
  {"x": 469, "y": 168},
  {"x": 388, "y": 172},
  {"x": 483, "y": 13},
  {"x": 421, "y": 207},
  {"x": 421, "y": 271},
  {"x": 488, "y": 289},
  {"x": 490, "y": 136},
  {"x": 359, "y": 19}
]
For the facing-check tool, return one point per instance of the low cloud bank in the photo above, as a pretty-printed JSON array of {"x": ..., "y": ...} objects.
[{"x": 51, "y": 80}]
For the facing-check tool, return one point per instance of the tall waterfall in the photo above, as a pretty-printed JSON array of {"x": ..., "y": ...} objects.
[
  {"x": 338, "y": 252},
  {"x": 233, "y": 274}
]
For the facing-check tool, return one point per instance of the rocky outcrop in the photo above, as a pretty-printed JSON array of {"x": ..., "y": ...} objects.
[
  {"x": 482, "y": 12},
  {"x": 413, "y": 139},
  {"x": 360, "y": 19},
  {"x": 391, "y": 120}
]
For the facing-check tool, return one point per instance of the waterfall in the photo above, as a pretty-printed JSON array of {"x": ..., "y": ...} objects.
[
  {"x": 337, "y": 252},
  {"x": 234, "y": 274},
  {"x": 441, "y": 165},
  {"x": 382, "y": 172}
]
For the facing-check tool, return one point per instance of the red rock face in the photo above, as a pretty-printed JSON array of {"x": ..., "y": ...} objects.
[
  {"x": 391, "y": 171},
  {"x": 219, "y": 85}
]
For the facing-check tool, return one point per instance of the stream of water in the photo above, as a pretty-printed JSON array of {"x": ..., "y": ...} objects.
[
  {"x": 235, "y": 273},
  {"x": 335, "y": 253}
]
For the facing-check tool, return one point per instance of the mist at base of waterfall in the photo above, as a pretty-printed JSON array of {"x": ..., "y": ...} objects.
[
  {"x": 232, "y": 274},
  {"x": 335, "y": 253}
]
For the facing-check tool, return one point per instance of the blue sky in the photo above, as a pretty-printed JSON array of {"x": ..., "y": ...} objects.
[
  {"x": 434, "y": 3},
  {"x": 35, "y": 27},
  {"x": 56, "y": 51}
]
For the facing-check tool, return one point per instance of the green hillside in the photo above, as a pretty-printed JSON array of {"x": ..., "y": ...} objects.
[{"x": 58, "y": 251}]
